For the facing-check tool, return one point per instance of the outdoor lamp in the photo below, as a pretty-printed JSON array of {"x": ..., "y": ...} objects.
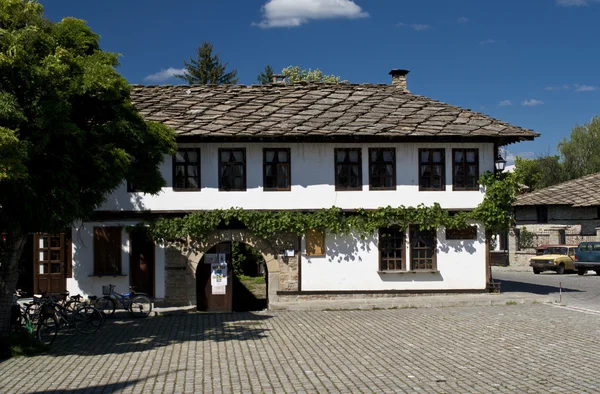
[{"x": 500, "y": 163}]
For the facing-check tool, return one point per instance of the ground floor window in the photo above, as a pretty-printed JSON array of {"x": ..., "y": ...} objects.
[
  {"x": 391, "y": 249},
  {"x": 422, "y": 249}
]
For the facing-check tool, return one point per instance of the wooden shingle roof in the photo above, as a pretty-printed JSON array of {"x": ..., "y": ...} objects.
[
  {"x": 304, "y": 110},
  {"x": 581, "y": 192}
]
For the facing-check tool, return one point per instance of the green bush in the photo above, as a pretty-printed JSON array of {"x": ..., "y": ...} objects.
[{"x": 525, "y": 238}]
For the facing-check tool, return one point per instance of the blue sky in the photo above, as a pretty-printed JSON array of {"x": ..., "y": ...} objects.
[{"x": 532, "y": 63}]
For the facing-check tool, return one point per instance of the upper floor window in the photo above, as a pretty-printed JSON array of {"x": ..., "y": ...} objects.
[
  {"x": 277, "y": 169},
  {"x": 232, "y": 169},
  {"x": 391, "y": 249},
  {"x": 432, "y": 169},
  {"x": 465, "y": 169},
  {"x": 348, "y": 169},
  {"x": 422, "y": 249},
  {"x": 382, "y": 168},
  {"x": 542, "y": 213},
  {"x": 186, "y": 169}
]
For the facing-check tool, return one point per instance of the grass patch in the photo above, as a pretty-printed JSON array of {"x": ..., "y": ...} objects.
[
  {"x": 252, "y": 281},
  {"x": 511, "y": 302},
  {"x": 18, "y": 344}
]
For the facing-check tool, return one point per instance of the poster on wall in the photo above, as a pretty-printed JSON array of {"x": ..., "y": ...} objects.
[
  {"x": 218, "y": 277},
  {"x": 219, "y": 290},
  {"x": 211, "y": 258}
]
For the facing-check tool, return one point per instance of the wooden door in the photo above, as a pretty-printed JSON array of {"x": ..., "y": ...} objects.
[
  {"x": 141, "y": 262},
  {"x": 207, "y": 300},
  {"x": 49, "y": 263}
]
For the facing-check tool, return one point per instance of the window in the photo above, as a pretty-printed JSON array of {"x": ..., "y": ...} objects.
[
  {"x": 469, "y": 232},
  {"x": 107, "y": 251},
  {"x": 315, "y": 243},
  {"x": 186, "y": 169},
  {"x": 277, "y": 169},
  {"x": 232, "y": 169},
  {"x": 432, "y": 169},
  {"x": 422, "y": 249},
  {"x": 382, "y": 169},
  {"x": 542, "y": 213},
  {"x": 391, "y": 249},
  {"x": 348, "y": 169},
  {"x": 465, "y": 165}
]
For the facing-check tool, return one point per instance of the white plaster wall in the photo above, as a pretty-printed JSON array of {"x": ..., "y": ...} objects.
[
  {"x": 352, "y": 264},
  {"x": 313, "y": 185},
  {"x": 83, "y": 282}
]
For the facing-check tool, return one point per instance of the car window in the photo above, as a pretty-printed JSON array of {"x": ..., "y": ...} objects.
[
  {"x": 563, "y": 251},
  {"x": 596, "y": 247},
  {"x": 585, "y": 247},
  {"x": 549, "y": 251},
  {"x": 572, "y": 251}
]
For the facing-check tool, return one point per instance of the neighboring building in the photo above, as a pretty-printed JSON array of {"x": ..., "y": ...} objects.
[
  {"x": 567, "y": 213},
  {"x": 303, "y": 146}
]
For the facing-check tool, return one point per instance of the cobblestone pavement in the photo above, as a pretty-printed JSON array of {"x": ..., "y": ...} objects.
[{"x": 535, "y": 348}]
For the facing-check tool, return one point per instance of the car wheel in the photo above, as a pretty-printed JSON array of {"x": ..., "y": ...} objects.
[
  {"x": 536, "y": 271},
  {"x": 581, "y": 271},
  {"x": 561, "y": 269}
]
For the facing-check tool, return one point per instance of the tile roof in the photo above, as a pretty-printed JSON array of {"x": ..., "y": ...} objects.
[
  {"x": 581, "y": 192},
  {"x": 313, "y": 109}
]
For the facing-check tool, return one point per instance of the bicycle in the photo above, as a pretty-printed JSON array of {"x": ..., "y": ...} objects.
[
  {"x": 84, "y": 318},
  {"x": 19, "y": 318},
  {"x": 35, "y": 316},
  {"x": 138, "y": 304}
]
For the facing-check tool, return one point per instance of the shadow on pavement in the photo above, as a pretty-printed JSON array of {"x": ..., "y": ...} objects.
[
  {"x": 509, "y": 286},
  {"x": 124, "y": 335}
]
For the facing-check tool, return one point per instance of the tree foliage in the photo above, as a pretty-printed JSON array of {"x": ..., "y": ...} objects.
[
  {"x": 296, "y": 74},
  {"x": 207, "y": 68},
  {"x": 76, "y": 136},
  {"x": 266, "y": 76},
  {"x": 540, "y": 172},
  {"x": 581, "y": 153}
]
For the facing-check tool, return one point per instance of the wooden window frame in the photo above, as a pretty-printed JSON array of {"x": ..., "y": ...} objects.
[
  {"x": 431, "y": 163},
  {"x": 101, "y": 268},
  {"x": 465, "y": 165},
  {"x": 222, "y": 165},
  {"x": 318, "y": 235},
  {"x": 415, "y": 227},
  {"x": 380, "y": 162},
  {"x": 339, "y": 187},
  {"x": 468, "y": 233},
  {"x": 185, "y": 165},
  {"x": 398, "y": 233},
  {"x": 541, "y": 214},
  {"x": 277, "y": 165}
]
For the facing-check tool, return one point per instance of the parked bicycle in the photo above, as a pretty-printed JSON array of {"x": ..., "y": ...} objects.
[
  {"x": 138, "y": 304},
  {"x": 34, "y": 317}
]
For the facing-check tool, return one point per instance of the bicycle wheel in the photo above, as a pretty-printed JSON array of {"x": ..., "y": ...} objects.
[
  {"x": 140, "y": 306},
  {"x": 105, "y": 305},
  {"x": 47, "y": 330},
  {"x": 87, "y": 320}
]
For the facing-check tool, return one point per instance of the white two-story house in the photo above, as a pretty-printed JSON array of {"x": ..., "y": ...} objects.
[{"x": 304, "y": 146}]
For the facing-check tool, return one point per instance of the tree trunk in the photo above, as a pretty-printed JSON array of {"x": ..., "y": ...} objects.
[{"x": 9, "y": 274}]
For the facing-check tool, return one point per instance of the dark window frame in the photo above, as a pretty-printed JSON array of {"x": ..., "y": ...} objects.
[
  {"x": 385, "y": 257},
  {"x": 185, "y": 165},
  {"x": 465, "y": 166},
  {"x": 541, "y": 214},
  {"x": 431, "y": 163},
  {"x": 222, "y": 165},
  {"x": 338, "y": 186},
  {"x": 277, "y": 165},
  {"x": 381, "y": 164},
  {"x": 102, "y": 254},
  {"x": 468, "y": 233},
  {"x": 412, "y": 229}
]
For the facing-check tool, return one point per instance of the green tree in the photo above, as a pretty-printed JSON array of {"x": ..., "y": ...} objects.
[
  {"x": 540, "y": 172},
  {"x": 296, "y": 74},
  {"x": 581, "y": 153},
  {"x": 266, "y": 76},
  {"x": 207, "y": 68},
  {"x": 68, "y": 112}
]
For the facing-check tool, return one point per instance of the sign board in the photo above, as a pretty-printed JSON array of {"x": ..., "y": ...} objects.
[
  {"x": 211, "y": 258},
  {"x": 218, "y": 277}
]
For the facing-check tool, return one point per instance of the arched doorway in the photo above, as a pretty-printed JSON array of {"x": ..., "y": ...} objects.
[{"x": 232, "y": 276}]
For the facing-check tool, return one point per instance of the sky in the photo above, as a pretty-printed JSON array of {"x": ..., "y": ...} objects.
[{"x": 532, "y": 63}]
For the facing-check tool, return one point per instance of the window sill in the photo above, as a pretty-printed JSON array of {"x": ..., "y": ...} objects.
[
  {"x": 106, "y": 275},
  {"x": 399, "y": 272},
  {"x": 185, "y": 190}
]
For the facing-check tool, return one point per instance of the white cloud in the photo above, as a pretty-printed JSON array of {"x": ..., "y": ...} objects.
[
  {"x": 293, "y": 13},
  {"x": 487, "y": 42},
  {"x": 505, "y": 103},
  {"x": 164, "y": 75},
  {"x": 532, "y": 103},
  {"x": 415, "y": 26},
  {"x": 574, "y": 3},
  {"x": 463, "y": 19},
  {"x": 511, "y": 156},
  {"x": 554, "y": 88},
  {"x": 585, "y": 88}
]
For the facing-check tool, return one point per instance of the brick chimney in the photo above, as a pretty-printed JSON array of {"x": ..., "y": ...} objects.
[{"x": 399, "y": 79}]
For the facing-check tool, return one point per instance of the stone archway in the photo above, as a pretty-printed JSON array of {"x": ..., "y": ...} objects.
[{"x": 181, "y": 264}]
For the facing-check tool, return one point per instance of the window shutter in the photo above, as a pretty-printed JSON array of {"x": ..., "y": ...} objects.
[
  {"x": 107, "y": 250},
  {"x": 315, "y": 243}
]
